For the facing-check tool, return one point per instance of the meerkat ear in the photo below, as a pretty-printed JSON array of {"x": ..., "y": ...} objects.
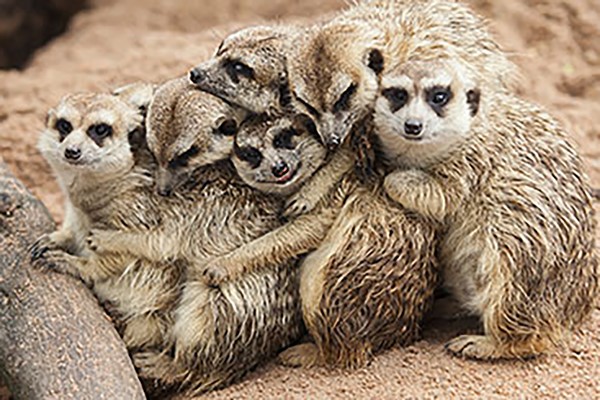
[
  {"x": 375, "y": 61},
  {"x": 473, "y": 97},
  {"x": 304, "y": 122},
  {"x": 50, "y": 117},
  {"x": 137, "y": 94},
  {"x": 137, "y": 139}
]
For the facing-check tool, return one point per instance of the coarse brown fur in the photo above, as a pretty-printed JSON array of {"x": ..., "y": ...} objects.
[
  {"x": 511, "y": 196},
  {"x": 371, "y": 278},
  {"x": 219, "y": 332}
]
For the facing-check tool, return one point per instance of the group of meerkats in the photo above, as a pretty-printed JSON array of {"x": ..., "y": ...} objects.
[{"x": 324, "y": 178}]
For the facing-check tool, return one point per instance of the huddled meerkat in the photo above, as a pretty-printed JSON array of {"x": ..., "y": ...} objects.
[
  {"x": 500, "y": 177},
  {"x": 220, "y": 331},
  {"x": 94, "y": 143},
  {"x": 249, "y": 69},
  {"x": 372, "y": 272}
]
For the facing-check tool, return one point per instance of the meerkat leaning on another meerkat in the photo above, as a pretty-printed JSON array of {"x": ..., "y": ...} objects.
[
  {"x": 372, "y": 273},
  {"x": 510, "y": 193},
  {"x": 219, "y": 333},
  {"x": 95, "y": 145}
]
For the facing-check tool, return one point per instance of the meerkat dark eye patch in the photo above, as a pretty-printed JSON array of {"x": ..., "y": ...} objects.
[
  {"x": 283, "y": 139},
  {"x": 99, "y": 132},
  {"x": 227, "y": 128},
  {"x": 313, "y": 111},
  {"x": 63, "y": 127},
  {"x": 236, "y": 69},
  {"x": 343, "y": 103},
  {"x": 397, "y": 97},
  {"x": 473, "y": 98},
  {"x": 183, "y": 159},
  {"x": 376, "y": 62},
  {"x": 304, "y": 122},
  {"x": 438, "y": 97},
  {"x": 248, "y": 154}
]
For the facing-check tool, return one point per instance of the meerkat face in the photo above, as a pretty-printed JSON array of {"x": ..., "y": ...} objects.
[
  {"x": 279, "y": 155},
  {"x": 249, "y": 70},
  {"x": 425, "y": 109},
  {"x": 187, "y": 129},
  {"x": 335, "y": 77},
  {"x": 90, "y": 133}
]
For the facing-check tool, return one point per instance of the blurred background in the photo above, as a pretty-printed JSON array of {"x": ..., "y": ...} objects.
[{"x": 52, "y": 47}]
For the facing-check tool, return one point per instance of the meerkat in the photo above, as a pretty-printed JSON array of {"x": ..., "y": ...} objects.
[
  {"x": 372, "y": 270},
  {"x": 94, "y": 143},
  {"x": 336, "y": 68},
  {"x": 249, "y": 69},
  {"x": 219, "y": 332},
  {"x": 500, "y": 177}
]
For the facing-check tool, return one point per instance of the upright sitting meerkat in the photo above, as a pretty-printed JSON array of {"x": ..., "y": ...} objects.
[
  {"x": 512, "y": 198},
  {"x": 371, "y": 276},
  {"x": 219, "y": 332},
  {"x": 94, "y": 143}
]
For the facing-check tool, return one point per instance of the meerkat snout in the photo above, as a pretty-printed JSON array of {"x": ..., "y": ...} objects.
[
  {"x": 280, "y": 169},
  {"x": 197, "y": 75},
  {"x": 72, "y": 153},
  {"x": 413, "y": 128}
]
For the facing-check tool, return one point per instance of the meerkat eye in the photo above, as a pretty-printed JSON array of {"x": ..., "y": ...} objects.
[
  {"x": 99, "y": 131},
  {"x": 283, "y": 140},
  {"x": 63, "y": 127},
  {"x": 249, "y": 154},
  {"x": 227, "y": 128},
  {"x": 183, "y": 159},
  {"x": 344, "y": 101},
  {"x": 313, "y": 111},
  {"x": 235, "y": 69},
  {"x": 397, "y": 97},
  {"x": 439, "y": 97}
]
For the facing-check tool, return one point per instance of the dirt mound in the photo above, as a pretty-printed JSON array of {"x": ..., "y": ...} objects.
[{"x": 555, "y": 42}]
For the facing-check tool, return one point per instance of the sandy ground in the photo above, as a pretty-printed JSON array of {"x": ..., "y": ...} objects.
[{"x": 555, "y": 42}]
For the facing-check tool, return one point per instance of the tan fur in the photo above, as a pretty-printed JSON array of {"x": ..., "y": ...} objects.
[
  {"x": 263, "y": 51},
  {"x": 375, "y": 263},
  {"x": 106, "y": 178},
  {"x": 513, "y": 200},
  {"x": 221, "y": 332}
]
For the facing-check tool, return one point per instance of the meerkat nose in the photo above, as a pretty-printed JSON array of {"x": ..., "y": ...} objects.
[
  {"x": 72, "y": 153},
  {"x": 197, "y": 75},
  {"x": 280, "y": 169},
  {"x": 333, "y": 142},
  {"x": 413, "y": 127}
]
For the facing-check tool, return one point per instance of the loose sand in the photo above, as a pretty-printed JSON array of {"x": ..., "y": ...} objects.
[{"x": 555, "y": 42}]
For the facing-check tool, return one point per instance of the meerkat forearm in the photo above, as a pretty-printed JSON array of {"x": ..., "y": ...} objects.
[
  {"x": 417, "y": 191},
  {"x": 287, "y": 242},
  {"x": 154, "y": 245},
  {"x": 319, "y": 186}
]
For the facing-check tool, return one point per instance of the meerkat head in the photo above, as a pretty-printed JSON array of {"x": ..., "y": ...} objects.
[
  {"x": 249, "y": 69},
  {"x": 278, "y": 155},
  {"x": 91, "y": 134},
  {"x": 187, "y": 129},
  {"x": 425, "y": 109},
  {"x": 335, "y": 76}
]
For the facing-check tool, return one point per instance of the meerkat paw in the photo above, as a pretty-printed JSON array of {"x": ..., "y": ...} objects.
[
  {"x": 415, "y": 190},
  {"x": 57, "y": 260},
  {"x": 155, "y": 365},
  {"x": 40, "y": 247},
  {"x": 304, "y": 355},
  {"x": 301, "y": 203},
  {"x": 479, "y": 347}
]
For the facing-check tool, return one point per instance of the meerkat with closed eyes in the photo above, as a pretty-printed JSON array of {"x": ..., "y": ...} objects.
[{"x": 500, "y": 177}]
